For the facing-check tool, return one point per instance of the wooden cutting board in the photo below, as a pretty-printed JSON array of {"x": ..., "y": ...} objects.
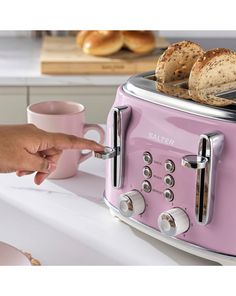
[{"x": 61, "y": 56}]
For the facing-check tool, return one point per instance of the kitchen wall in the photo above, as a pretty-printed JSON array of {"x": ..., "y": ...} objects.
[
  {"x": 207, "y": 34},
  {"x": 201, "y": 34},
  {"x": 15, "y": 33}
]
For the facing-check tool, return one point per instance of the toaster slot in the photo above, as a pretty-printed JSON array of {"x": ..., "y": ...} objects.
[
  {"x": 202, "y": 186},
  {"x": 209, "y": 151},
  {"x": 181, "y": 83},
  {"x": 228, "y": 94},
  {"x": 114, "y": 175},
  {"x": 121, "y": 117}
]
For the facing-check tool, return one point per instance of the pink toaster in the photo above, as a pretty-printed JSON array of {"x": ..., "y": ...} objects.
[{"x": 170, "y": 169}]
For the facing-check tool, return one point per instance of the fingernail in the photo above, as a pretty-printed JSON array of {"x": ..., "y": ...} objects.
[
  {"x": 45, "y": 177},
  {"x": 41, "y": 181}
]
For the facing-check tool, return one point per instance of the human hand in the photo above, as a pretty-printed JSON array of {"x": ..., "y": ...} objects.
[{"x": 25, "y": 149}]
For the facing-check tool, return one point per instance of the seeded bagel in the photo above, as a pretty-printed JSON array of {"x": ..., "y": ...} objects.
[
  {"x": 214, "y": 68},
  {"x": 173, "y": 90},
  {"x": 177, "y": 61},
  {"x": 207, "y": 96}
]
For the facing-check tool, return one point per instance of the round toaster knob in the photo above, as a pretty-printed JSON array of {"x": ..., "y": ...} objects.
[
  {"x": 173, "y": 222},
  {"x": 131, "y": 203}
]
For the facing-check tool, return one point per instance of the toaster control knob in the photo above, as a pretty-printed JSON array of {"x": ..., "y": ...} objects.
[
  {"x": 131, "y": 203},
  {"x": 173, "y": 222}
]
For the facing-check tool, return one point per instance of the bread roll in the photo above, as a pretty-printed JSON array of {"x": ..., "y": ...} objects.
[
  {"x": 139, "y": 41},
  {"x": 81, "y": 36},
  {"x": 177, "y": 61},
  {"x": 103, "y": 43}
]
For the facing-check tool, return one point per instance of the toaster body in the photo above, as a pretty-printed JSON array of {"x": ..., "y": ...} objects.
[{"x": 173, "y": 174}]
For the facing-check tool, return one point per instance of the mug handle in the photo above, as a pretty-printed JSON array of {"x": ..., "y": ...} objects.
[{"x": 100, "y": 130}]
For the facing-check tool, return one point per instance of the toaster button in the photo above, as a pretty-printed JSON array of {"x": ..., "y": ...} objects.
[
  {"x": 146, "y": 186},
  {"x": 147, "y": 172},
  {"x": 168, "y": 194},
  {"x": 169, "y": 180},
  {"x": 147, "y": 157},
  {"x": 169, "y": 166}
]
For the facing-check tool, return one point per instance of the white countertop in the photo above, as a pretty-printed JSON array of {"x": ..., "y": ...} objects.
[
  {"x": 20, "y": 66},
  {"x": 65, "y": 222}
]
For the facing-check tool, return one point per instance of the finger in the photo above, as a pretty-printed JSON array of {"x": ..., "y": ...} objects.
[
  {"x": 40, "y": 177},
  {"x": 50, "y": 152},
  {"x": 52, "y": 155},
  {"x": 33, "y": 162},
  {"x": 63, "y": 141},
  {"x": 23, "y": 173}
]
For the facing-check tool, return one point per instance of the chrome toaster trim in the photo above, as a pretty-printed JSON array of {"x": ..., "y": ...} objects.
[
  {"x": 205, "y": 163},
  {"x": 220, "y": 257},
  {"x": 121, "y": 117},
  {"x": 143, "y": 86}
]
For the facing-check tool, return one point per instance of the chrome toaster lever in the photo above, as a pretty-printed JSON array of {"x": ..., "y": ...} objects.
[
  {"x": 209, "y": 151},
  {"x": 194, "y": 162},
  {"x": 121, "y": 117},
  {"x": 116, "y": 151},
  {"x": 106, "y": 154}
]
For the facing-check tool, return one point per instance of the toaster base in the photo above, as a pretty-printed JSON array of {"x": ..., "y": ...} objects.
[{"x": 223, "y": 259}]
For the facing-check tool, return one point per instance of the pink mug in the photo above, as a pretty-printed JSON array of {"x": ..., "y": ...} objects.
[{"x": 64, "y": 117}]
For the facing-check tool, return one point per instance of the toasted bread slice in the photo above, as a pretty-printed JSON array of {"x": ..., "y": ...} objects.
[
  {"x": 173, "y": 90},
  {"x": 177, "y": 61},
  {"x": 214, "y": 68},
  {"x": 208, "y": 96}
]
